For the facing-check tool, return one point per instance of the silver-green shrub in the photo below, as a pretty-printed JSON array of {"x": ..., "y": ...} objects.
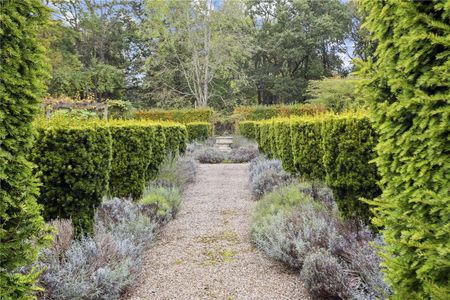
[{"x": 266, "y": 175}]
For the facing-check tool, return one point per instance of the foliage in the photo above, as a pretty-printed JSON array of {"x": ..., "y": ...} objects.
[
  {"x": 348, "y": 149},
  {"x": 74, "y": 163},
  {"x": 266, "y": 175},
  {"x": 176, "y": 138},
  {"x": 336, "y": 94},
  {"x": 132, "y": 154},
  {"x": 264, "y": 112},
  {"x": 209, "y": 155},
  {"x": 300, "y": 225},
  {"x": 198, "y": 131},
  {"x": 338, "y": 149},
  {"x": 22, "y": 72},
  {"x": 119, "y": 109},
  {"x": 198, "y": 48},
  {"x": 307, "y": 152},
  {"x": 243, "y": 154},
  {"x": 283, "y": 147},
  {"x": 324, "y": 277},
  {"x": 103, "y": 265},
  {"x": 95, "y": 49},
  {"x": 166, "y": 201},
  {"x": 139, "y": 147},
  {"x": 247, "y": 129},
  {"x": 176, "y": 172},
  {"x": 296, "y": 41},
  {"x": 407, "y": 85},
  {"x": 177, "y": 115}
]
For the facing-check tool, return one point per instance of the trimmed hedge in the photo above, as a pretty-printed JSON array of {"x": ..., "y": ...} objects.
[
  {"x": 139, "y": 147},
  {"x": 247, "y": 129},
  {"x": 409, "y": 92},
  {"x": 198, "y": 131},
  {"x": 348, "y": 145},
  {"x": 307, "y": 152},
  {"x": 177, "y": 115},
  {"x": 176, "y": 137},
  {"x": 74, "y": 163},
  {"x": 81, "y": 163},
  {"x": 131, "y": 156},
  {"x": 338, "y": 149},
  {"x": 22, "y": 84},
  {"x": 262, "y": 112},
  {"x": 282, "y": 138}
]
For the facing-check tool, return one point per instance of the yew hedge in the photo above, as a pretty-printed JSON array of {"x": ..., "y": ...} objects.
[
  {"x": 337, "y": 149},
  {"x": 80, "y": 163}
]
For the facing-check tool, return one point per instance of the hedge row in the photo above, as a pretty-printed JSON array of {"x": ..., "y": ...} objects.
[
  {"x": 79, "y": 164},
  {"x": 263, "y": 112},
  {"x": 22, "y": 84},
  {"x": 198, "y": 131},
  {"x": 409, "y": 91},
  {"x": 337, "y": 149},
  {"x": 177, "y": 115}
]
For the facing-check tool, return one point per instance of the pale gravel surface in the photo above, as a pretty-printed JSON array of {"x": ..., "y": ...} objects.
[{"x": 205, "y": 253}]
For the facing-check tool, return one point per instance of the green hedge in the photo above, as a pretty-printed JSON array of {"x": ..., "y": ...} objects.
[
  {"x": 22, "y": 84},
  {"x": 198, "y": 131},
  {"x": 348, "y": 144},
  {"x": 409, "y": 92},
  {"x": 307, "y": 152},
  {"x": 264, "y": 140},
  {"x": 79, "y": 164},
  {"x": 282, "y": 138},
  {"x": 176, "y": 138},
  {"x": 131, "y": 156},
  {"x": 73, "y": 164},
  {"x": 247, "y": 129},
  {"x": 338, "y": 149},
  {"x": 177, "y": 115},
  {"x": 262, "y": 112},
  {"x": 139, "y": 147}
]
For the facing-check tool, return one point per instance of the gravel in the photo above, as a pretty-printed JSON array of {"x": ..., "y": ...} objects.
[{"x": 205, "y": 253}]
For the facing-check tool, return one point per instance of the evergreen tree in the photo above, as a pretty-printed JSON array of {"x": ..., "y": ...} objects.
[
  {"x": 408, "y": 87},
  {"x": 22, "y": 75}
]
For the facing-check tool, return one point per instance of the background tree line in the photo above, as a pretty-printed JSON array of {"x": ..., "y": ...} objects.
[{"x": 218, "y": 53}]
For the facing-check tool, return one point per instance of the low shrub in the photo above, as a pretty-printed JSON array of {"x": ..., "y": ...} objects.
[
  {"x": 198, "y": 131},
  {"x": 103, "y": 265},
  {"x": 300, "y": 225},
  {"x": 183, "y": 116},
  {"x": 241, "y": 141},
  {"x": 176, "y": 172},
  {"x": 243, "y": 154},
  {"x": 266, "y": 175},
  {"x": 324, "y": 277},
  {"x": 166, "y": 201},
  {"x": 209, "y": 155}
]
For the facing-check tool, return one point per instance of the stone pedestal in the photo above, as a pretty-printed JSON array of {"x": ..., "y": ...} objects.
[{"x": 223, "y": 143}]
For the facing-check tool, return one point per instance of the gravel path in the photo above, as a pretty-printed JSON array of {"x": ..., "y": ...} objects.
[{"x": 205, "y": 252}]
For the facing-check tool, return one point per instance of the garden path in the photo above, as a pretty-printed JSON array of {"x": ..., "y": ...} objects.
[{"x": 205, "y": 253}]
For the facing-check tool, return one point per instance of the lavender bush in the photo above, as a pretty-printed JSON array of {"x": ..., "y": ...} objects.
[
  {"x": 266, "y": 175},
  {"x": 300, "y": 225},
  {"x": 100, "y": 266}
]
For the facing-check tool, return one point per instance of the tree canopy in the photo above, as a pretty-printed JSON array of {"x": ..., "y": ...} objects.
[{"x": 197, "y": 53}]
